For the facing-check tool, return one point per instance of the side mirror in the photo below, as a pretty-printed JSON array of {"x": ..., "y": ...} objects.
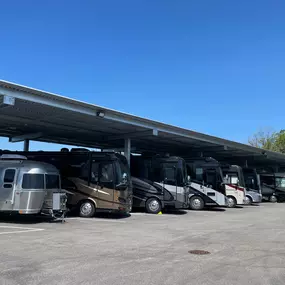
[
  {"x": 124, "y": 182},
  {"x": 225, "y": 180},
  {"x": 125, "y": 177}
]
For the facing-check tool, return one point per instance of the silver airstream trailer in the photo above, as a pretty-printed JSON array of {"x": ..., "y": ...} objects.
[{"x": 30, "y": 187}]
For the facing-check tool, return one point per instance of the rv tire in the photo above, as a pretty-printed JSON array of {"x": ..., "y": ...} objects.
[
  {"x": 273, "y": 199},
  {"x": 232, "y": 202},
  {"x": 153, "y": 206},
  {"x": 87, "y": 209},
  {"x": 196, "y": 203},
  {"x": 248, "y": 200}
]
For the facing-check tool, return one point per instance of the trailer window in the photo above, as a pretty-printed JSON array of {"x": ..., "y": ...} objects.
[
  {"x": 33, "y": 181},
  {"x": 52, "y": 181},
  {"x": 9, "y": 175}
]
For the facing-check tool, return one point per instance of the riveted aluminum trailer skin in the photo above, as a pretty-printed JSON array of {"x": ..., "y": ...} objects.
[{"x": 30, "y": 187}]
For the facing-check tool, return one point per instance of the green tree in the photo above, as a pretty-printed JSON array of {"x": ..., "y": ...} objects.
[
  {"x": 280, "y": 141},
  {"x": 265, "y": 139}
]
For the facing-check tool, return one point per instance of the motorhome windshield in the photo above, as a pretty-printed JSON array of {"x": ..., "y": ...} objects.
[
  {"x": 122, "y": 169},
  {"x": 280, "y": 182},
  {"x": 251, "y": 181},
  {"x": 165, "y": 171},
  {"x": 232, "y": 177},
  {"x": 174, "y": 172}
]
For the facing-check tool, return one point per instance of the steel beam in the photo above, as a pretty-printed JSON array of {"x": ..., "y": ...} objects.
[
  {"x": 26, "y": 145},
  {"x": 141, "y": 134},
  {"x": 6, "y": 101},
  {"x": 127, "y": 150},
  {"x": 25, "y": 137},
  {"x": 117, "y": 149}
]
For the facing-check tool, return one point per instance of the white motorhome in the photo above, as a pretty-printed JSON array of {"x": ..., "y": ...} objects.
[
  {"x": 206, "y": 187},
  {"x": 235, "y": 185}
]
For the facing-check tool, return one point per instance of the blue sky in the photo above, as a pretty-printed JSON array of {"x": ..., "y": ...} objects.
[{"x": 216, "y": 67}]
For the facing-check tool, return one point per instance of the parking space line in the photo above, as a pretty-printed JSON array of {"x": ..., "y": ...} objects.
[
  {"x": 21, "y": 230},
  {"x": 95, "y": 220},
  {"x": 155, "y": 215}
]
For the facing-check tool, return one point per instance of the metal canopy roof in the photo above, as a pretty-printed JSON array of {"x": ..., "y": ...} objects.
[{"x": 27, "y": 113}]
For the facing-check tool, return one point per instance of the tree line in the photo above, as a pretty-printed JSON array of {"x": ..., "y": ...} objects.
[{"x": 269, "y": 139}]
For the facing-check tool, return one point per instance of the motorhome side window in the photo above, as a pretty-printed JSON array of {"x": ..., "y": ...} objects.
[
  {"x": 52, "y": 181},
  {"x": 94, "y": 172},
  {"x": 33, "y": 181},
  {"x": 106, "y": 173}
]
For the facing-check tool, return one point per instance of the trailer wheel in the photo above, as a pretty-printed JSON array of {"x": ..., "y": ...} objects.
[
  {"x": 273, "y": 199},
  {"x": 87, "y": 209},
  {"x": 153, "y": 206},
  {"x": 232, "y": 202},
  {"x": 196, "y": 203},
  {"x": 248, "y": 200}
]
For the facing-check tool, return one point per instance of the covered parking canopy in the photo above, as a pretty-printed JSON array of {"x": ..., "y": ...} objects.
[{"x": 31, "y": 114}]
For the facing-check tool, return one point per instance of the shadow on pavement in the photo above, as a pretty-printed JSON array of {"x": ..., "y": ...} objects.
[
  {"x": 114, "y": 216},
  {"x": 214, "y": 209},
  {"x": 23, "y": 219},
  {"x": 165, "y": 211},
  {"x": 175, "y": 212}
]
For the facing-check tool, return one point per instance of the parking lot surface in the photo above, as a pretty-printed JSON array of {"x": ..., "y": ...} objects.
[{"x": 246, "y": 246}]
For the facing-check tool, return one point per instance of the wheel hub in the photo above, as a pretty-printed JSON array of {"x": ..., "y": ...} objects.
[
  {"x": 231, "y": 202},
  {"x": 154, "y": 205},
  {"x": 196, "y": 202},
  {"x": 86, "y": 209},
  {"x": 247, "y": 200}
]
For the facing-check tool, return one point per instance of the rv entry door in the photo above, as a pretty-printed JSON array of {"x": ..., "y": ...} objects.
[{"x": 7, "y": 186}]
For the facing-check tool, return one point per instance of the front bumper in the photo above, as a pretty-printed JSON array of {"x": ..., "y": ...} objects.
[{"x": 257, "y": 198}]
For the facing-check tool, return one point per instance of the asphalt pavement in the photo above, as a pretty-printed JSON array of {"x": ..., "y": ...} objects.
[{"x": 244, "y": 246}]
